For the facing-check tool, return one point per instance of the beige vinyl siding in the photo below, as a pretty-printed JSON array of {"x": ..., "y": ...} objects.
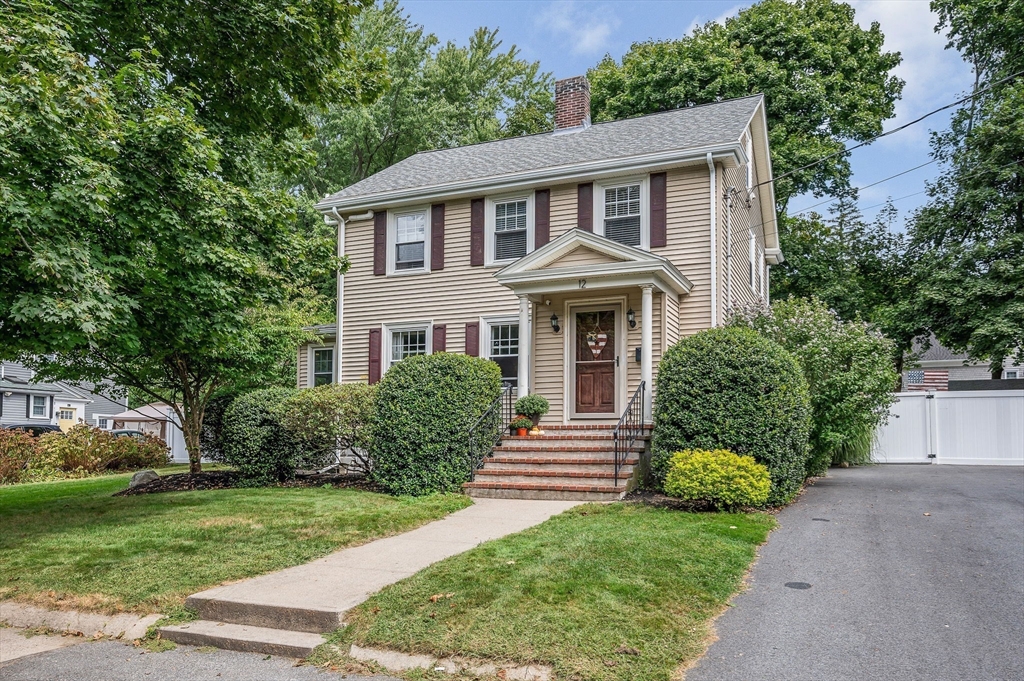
[
  {"x": 454, "y": 296},
  {"x": 583, "y": 256},
  {"x": 302, "y": 366},
  {"x": 735, "y": 247},
  {"x": 688, "y": 247},
  {"x": 562, "y": 209}
]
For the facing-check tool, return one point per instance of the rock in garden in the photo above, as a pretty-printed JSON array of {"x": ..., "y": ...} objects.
[{"x": 142, "y": 477}]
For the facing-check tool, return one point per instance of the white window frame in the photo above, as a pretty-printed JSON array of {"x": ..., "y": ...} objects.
[
  {"x": 749, "y": 147},
  {"x": 32, "y": 407},
  {"x": 392, "y": 240},
  {"x": 489, "y": 224},
  {"x": 389, "y": 331},
  {"x": 751, "y": 257},
  {"x": 1016, "y": 373},
  {"x": 645, "y": 205},
  {"x": 104, "y": 417},
  {"x": 311, "y": 364},
  {"x": 485, "y": 337}
]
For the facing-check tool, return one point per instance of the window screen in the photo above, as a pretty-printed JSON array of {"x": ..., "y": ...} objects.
[
  {"x": 410, "y": 233},
  {"x": 510, "y": 229},
  {"x": 408, "y": 343},
  {"x": 323, "y": 366},
  {"x": 622, "y": 214}
]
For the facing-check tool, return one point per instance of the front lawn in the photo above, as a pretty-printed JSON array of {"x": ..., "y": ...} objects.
[
  {"x": 619, "y": 591},
  {"x": 71, "y": 543}
]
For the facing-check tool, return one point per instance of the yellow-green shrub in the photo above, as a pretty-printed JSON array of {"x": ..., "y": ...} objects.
[{"x": 718, "y": 478}]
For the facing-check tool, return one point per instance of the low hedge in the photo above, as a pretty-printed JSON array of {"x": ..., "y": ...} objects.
[
  {"x": 254, "y": 438},
  {"x": 717, "y": 478},
  {"x": 331, "y": 418},
  {"x": 731, "y": 388},
  {"x": 425, "y": 408}
]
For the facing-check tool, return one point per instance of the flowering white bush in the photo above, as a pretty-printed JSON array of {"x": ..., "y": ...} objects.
[{"x": 848, "y": 367}]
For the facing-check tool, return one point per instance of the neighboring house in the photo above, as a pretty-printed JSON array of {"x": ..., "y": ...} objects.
[
  {"x": 24, "y": 400},
  {"x": 156, "y": 418},
  {"x": 934, "y": 368},
  {"x": 573, "y": 258}
]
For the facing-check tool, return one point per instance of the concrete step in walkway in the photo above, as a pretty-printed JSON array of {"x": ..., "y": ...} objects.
[
  {"x": 293, "y": 606},
  {"x": 244, "y": 639}
]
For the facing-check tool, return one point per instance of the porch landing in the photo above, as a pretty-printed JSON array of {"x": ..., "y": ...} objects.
[{"x": 571, "y": 463}]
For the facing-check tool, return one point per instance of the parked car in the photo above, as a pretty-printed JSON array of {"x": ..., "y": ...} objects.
[
  {"x": 35, "y": 429},
  {"x": 137, "y": 434}
]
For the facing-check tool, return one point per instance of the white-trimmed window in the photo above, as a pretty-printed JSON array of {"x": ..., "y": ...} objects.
[
  {"x": 65, "y": 414},
  {"x": 751, "y": 255},
  {"x": 406, "y": 340},
  {"x": 38, "y": 406},
  {"x": 1013, "y": 373},
  {"x": 750, "y": 161},
  {"x": 621, "y": 211},
  {"x": 501, "y": 338},
  {"x": 322, "y": 362},
  {"x": 509, "y": 227},
  {"x": 409, "y": 241},
  {"x": 102, "y": 422}
]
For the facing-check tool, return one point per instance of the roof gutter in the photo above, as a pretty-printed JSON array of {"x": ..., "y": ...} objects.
[{"x": 729, "y": 154}]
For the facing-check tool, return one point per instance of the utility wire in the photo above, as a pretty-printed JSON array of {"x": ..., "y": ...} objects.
[
  {"x": 843, "y": 152},
  {"x": 857, "y": 189}
]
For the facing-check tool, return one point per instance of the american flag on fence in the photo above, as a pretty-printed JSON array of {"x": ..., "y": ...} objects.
[{"x": 927, "y": 379}]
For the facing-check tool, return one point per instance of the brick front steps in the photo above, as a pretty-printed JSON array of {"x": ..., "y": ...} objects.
[{"x": 574, "y": 463}]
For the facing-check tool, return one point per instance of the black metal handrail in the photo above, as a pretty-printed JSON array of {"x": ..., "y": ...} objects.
[
  {"x": 629, "y": 428},
  {"x": 490, "y": 427}
]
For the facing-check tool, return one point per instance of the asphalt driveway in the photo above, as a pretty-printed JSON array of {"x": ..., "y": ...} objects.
[{"x": 885, "y": 572}]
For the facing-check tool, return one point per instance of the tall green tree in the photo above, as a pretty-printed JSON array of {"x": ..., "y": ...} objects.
[
  {"x": 825, "y": 81},
  {"x": 435, "y": 96},
  {"x": 969, "y": 275},
  {"x": 140, "y": 238}
]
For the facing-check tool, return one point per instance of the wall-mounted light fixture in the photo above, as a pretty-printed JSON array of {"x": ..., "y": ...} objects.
[
  {"x": 631, "y": 318},
  {"x": 8, "y": 393},
  {"x": 554, "y": 323}
]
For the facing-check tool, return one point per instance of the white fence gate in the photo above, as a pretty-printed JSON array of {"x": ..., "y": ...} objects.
[{"x": 984, "y": 427}]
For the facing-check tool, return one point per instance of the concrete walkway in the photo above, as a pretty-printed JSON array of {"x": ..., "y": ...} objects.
[
  {"x": 313, "y": 598},
  {"x": 888, "y": 572}
]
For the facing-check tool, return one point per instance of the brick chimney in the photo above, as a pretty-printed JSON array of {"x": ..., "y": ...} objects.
[{"x": 572, "y": 102}]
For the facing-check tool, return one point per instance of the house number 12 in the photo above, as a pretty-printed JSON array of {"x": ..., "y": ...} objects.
[{"x": 583, "y": 283}]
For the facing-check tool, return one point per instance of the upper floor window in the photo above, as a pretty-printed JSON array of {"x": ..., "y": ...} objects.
[
  {"x": 509, "y": 223},
  {"x": 323, "y": 366},
  {"x": 621, "y": 211},
  {"x": 750, "y": 162},
  {"x": 408, "y": 241}
]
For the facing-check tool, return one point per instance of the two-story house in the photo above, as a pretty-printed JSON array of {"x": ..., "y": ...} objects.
[
  {"x": 572, "y": 258},
  {"x": 25, "y": 402}
]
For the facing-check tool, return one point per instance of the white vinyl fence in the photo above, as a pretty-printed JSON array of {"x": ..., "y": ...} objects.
[{"x": 984, "y": 427}]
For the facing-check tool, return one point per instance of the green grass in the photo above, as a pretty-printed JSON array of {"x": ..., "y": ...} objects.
[
  {"x": 573, "y": 591},
  {"x": 70, "y": 543}
]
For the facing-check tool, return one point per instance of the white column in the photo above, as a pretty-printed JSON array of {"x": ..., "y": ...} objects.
[
  {"x": 524, "y": 346},
  {"x": 647, "y": 346}
]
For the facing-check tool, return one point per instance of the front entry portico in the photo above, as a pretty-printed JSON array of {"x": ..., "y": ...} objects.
[{"x": 598, "y": 348}]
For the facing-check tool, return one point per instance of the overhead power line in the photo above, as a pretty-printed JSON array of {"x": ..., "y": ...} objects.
[{"x": 886, "y": 179}]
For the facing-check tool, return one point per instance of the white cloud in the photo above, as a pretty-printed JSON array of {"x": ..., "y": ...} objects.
[{"x": 586, "y": 32}]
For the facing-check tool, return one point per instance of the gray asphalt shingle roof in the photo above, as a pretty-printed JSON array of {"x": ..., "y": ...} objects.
[{"x": 677, "y": 130}]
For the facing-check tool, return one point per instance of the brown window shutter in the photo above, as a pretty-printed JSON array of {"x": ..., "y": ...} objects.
[
  {"x": 440, "y": 336},
  {"x": 374, "y": 370},
  {"x": 476, "y": 232},
  {"x": 659, "y": 228},
  {"x": 541, "y": 217},
  {"x": 585, "y": 207},
  {"x": 473, "y": 339},
  {"x": 437, "y": 237},
  {"x": 380, "y": 242}
]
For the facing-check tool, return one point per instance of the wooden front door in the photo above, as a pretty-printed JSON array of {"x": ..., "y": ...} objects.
[{"x": 595, "y": 362}]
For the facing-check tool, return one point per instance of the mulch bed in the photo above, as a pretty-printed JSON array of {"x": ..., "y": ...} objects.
[
  {"x": 187, "y": 482},
  {"x": 659, "y": 500}
]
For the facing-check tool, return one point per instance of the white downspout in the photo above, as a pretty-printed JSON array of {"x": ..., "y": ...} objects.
[
  {"x": 714, "y": 241},
  {"x": 728, "y": 249},
  {"x": 339, "y": 310}
]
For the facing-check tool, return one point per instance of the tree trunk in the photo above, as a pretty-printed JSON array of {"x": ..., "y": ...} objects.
[
  {"x": 997, "y": 369},
  {"x": 191, "y": 427}
]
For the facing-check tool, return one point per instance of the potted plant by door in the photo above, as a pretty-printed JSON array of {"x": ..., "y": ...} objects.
[
  {"x": 533, "y": 407},
  {"x": 521, "y": 425}
]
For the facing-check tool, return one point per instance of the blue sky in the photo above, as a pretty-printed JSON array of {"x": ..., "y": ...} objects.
[{"x": 569, "y": 36}]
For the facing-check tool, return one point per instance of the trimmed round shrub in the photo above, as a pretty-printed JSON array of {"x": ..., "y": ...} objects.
[
  {"x": 718, "y": 478},
  {"x": 425, "y": 408},
  {"x": 254, "y": 439},
  {"x": 731, "y": 388},
  {"x": 331, "y": 418}
]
